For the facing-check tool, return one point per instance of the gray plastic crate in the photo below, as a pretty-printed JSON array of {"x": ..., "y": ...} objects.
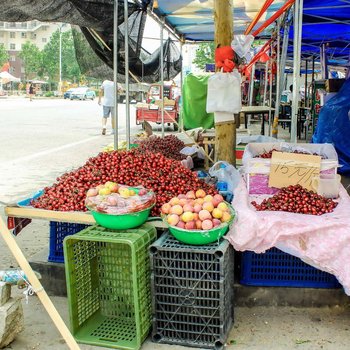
[{"x": 192, "y": 290}]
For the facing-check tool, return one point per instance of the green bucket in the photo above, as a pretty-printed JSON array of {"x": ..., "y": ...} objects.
[
  {"x": 199, "y": 237},
  {"x": 121, "y": 222}
]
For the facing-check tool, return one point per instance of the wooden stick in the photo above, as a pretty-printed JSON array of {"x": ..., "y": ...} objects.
[
  {"x": 61, "y": 216},
  {"x": 37, "y": 287},
  {"x": 95, "y": 34}
]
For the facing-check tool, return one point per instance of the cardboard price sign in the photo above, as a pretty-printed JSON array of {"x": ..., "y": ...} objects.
[{"x": 293, "y": 168}]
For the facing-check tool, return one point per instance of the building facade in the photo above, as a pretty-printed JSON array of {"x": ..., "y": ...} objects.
[{"x": 14, "y": 34}]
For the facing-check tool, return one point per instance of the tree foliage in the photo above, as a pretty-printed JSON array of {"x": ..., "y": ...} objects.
[
  {"x": 70, "y": 67},
  {"x": 32, "y": 60},
  {"x": 204, "y": 55},
  {"x": 4, "y": 56}
]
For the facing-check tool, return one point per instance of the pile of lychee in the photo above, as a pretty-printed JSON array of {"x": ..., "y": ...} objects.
[{"x": 197, "y": 211}]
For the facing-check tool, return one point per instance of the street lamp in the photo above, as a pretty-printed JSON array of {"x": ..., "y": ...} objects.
[{"x": 60, "y": 26}]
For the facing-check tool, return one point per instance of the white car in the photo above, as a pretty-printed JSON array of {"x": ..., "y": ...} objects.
[{"x": 82, "y": 93}]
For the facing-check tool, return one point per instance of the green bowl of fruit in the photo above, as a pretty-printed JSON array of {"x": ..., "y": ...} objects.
[
  {"x": 122, "y": 221},
  {"x": 119, "y": 207},
  {"x": 198, "y": 221}
]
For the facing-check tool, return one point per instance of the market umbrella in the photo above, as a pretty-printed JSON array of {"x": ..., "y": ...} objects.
[
  {"x": 38, "y": 82},
  {"x": 7, "y": 77}
]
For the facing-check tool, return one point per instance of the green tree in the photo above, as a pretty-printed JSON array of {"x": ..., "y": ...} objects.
[
  {"x": 204, "y": 55},
  {"x": 4, "y": 56},
  {"x": 70, "y": 67},
  {"x": 32, "y": 60}
]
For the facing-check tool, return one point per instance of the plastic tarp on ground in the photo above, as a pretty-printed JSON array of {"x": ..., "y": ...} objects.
[
  {"x": 194, "y": 101},
  {"x": 333, "y": 126},
  {"x": 320, "y": 241}
]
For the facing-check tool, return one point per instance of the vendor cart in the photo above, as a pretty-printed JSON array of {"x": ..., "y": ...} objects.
[{"x": 151, "y": 111}]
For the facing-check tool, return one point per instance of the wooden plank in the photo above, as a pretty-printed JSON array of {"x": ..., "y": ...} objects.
[
  {"x": 37, "y": 287},
  {"x": 61, "y": 216},
  {"x": 225, "y": 132}
]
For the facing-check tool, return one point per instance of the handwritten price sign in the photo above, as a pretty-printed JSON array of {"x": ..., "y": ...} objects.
[{"x": 292, "y": 169}]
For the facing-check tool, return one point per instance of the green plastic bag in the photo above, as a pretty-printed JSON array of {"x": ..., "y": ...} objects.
[{"x": 194, "y": 100}]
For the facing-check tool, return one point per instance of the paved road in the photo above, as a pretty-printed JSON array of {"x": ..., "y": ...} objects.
[{"x": 44, "y": 138}]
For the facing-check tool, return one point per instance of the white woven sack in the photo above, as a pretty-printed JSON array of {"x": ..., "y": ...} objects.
[{"x": 224, "y": 92}]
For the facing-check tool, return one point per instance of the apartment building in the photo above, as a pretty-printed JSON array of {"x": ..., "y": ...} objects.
[{"x": 14, "y": 34}]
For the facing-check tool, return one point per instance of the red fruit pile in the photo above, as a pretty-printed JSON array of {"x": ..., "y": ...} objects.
[
  {"x": 166, "y": 177},
  {"x": 266, "y": 154},
  {"x": 170, "y": 146},
  {"x": 296, "y": 199},
  {"x": 269, "y": 154}
]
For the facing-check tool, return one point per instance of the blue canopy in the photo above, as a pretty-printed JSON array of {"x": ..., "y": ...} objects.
[
  {"x": 194, "y": 19},
  {"x": 326, "y": 21}
]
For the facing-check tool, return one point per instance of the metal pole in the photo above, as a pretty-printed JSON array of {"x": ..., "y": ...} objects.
[
  {"x": 115, "y": 73},
  {"x": 313, "y": 90},
  {"x": 298, "y": 5},
  {"x": 305, "y": 94},
  {"x": 323, "y": 61},
  {"x": 266, "y": 78},
  {"x": 270, "y": 99},
  {"x": 162, "y": 73},
  {"x": 181, "y": 82},
  {"x": 60, "y": 58},
  {"x": 282, "y": 77},
  {"x": 126, "y": 40},
  {"x": 251, "y": 86}
]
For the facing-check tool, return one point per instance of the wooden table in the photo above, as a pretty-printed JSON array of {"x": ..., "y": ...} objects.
[
  {"x": 62, "y": 216},
  {"x": 208, "y": 139},
  {"x": 253, "y": 110}
]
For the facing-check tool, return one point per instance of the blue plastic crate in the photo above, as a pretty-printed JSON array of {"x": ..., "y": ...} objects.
[
  {"x": 278, "y": 269},
  {"x": 58, "y": 231}
]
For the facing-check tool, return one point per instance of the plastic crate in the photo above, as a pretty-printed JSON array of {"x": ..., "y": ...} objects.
[
  {"x": 58, "y": 231},
  {"x": 192, "y": 289},
  {"x": 108, "y": 286},
  {"x": 278, "y": 269}
]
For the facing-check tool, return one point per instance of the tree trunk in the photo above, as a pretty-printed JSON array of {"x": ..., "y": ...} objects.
[{"x": 225, "y": 143}]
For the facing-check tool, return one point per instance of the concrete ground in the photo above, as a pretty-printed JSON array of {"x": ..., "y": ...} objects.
[
  {"x": 45, "y": 138},
  {"x": 256, "y": 328}
]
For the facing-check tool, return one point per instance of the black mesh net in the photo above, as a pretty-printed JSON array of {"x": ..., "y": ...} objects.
[{"x": 94, "y": 39}]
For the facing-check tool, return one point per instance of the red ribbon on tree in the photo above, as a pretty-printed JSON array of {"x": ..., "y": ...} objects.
[{"x": 224, "y": 58}]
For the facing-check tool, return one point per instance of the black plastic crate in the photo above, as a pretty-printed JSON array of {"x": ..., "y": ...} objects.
[
  {"x": 58, "y": 231},
  {"x": 278, "y": 269},
  {"x": 192, "y": 289}
]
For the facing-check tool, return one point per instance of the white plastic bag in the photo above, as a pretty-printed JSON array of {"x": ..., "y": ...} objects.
[
  {"x": 241, "y": 44},
  {"x": 227, "y": 173},
  {"x": 224, "y": 92}
]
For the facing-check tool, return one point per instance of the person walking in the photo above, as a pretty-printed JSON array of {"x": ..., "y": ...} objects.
[
  {"x": 107, "y": 91},
  {"x": 31, "y": 91}
]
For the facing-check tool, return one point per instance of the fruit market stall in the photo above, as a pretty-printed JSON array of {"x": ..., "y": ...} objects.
[
  {"x": 155, "y": 164},
  {"x": 303, "y": 211}
]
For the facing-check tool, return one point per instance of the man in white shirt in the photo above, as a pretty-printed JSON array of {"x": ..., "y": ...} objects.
[{"x": 108, "y": 93}]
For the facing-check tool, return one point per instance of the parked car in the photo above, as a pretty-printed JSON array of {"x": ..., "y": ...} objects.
[
  {"x": 68, "y": 93},
  {"x": 82, "y": 94}
]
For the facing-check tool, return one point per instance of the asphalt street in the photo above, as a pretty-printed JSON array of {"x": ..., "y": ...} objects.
[{"x": 47, "y": 137}]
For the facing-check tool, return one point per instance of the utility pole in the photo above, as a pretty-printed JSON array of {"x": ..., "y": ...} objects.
[
  {"x": 225, "y": 144},
  {"x": 60, "y": 26}
]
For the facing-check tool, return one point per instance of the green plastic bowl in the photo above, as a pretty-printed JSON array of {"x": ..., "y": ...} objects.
[
  {"x": 121, "y": 222},
  {"x": 198, "y": 237}
]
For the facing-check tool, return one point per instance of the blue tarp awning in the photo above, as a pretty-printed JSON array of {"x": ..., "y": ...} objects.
[{"x": 326, "y": 21}]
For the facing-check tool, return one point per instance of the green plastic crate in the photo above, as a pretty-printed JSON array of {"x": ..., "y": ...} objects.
[{"x": 108, "y": 285}]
